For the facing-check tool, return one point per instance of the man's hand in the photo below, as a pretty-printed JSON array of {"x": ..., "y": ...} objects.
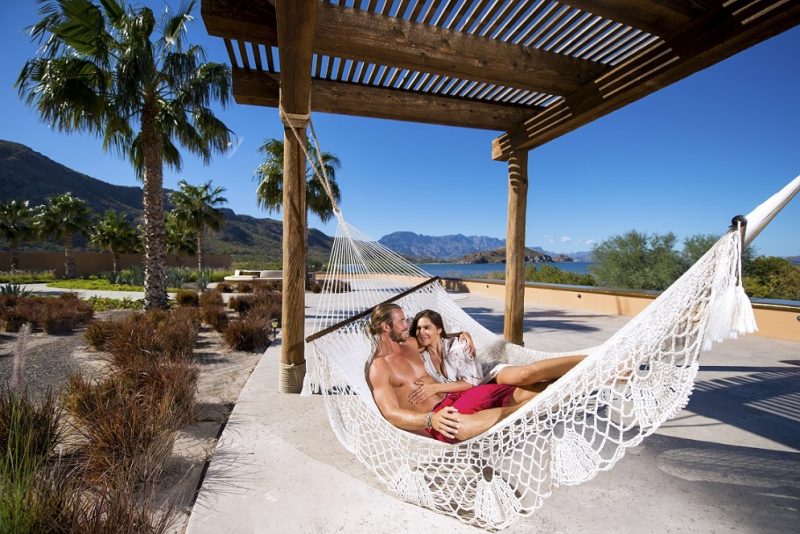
[
  {"x": 466, "y": 338},
  {"x": 447, "y": 422},
  {"x": 425, "y": 390}
]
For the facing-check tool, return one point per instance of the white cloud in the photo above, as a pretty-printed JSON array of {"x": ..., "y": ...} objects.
[
  {"x": 549, "y": 238},
  {"x": 565, "y": 239},
  {"x": 589, "y": 242}
]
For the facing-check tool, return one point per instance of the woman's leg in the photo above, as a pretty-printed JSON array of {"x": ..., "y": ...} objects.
[{"x": 526, "y": 375}]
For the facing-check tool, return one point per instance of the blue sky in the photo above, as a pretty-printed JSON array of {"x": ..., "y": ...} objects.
[{"x": 684, "y": 159}]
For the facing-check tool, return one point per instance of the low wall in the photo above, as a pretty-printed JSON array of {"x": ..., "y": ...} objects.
[
  {"x": 774, "y": 320},
  {"x": 88, "y": 263}
]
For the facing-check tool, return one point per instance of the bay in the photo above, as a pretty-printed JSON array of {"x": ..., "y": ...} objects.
[{"x": 482, "y": 270}]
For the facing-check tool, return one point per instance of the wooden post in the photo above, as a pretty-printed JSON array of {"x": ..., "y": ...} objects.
[
  {"x": 295, "y": 20},
  {"x": 515, "y": 245}
]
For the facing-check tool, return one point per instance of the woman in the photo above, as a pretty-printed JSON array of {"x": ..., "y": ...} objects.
[{"x": 453, "y": 368}]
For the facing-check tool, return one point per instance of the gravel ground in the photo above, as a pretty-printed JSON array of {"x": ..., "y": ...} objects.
[{"x": 48, "y": 360}]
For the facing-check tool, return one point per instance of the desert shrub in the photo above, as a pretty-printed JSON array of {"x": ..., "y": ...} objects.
[
  {"x": 84, "y": 310},
  {"x": 224, "y": 287},
  {"x": 187, "y": 297},
  {"x": 314, "y": 286},
  {"x": 129, "y": 418},
  {"x": 241, "y": 304},
  {"x": 30, "y": 500},
  {"x": 244, "y": 287},
  {"x": 247, "y": 333},
  {"x": 267, "y": 285},
  {"x": 216, "y": 317},
  {"x": 26, "y": 310},
  {"x": 99, "y": 332},
  {"x": 211, "y": 298},
  {"x": 154, "y": 334},
  {"x": 335, "y": 286},
  {"x": 60, "y": 315},
  {"x": 28, "y": 428}
]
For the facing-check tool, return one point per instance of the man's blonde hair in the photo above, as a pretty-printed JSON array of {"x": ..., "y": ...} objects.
[{"x": 381, "y": 314}]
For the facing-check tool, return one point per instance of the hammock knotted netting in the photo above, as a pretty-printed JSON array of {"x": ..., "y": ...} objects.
[{"x": 580, "y": 425}]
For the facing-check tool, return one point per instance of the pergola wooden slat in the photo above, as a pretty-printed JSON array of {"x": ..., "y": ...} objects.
[{"x": 531, "y": 69}]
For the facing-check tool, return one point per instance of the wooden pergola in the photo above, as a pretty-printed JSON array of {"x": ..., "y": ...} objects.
[{"x": 531, "y": 69}]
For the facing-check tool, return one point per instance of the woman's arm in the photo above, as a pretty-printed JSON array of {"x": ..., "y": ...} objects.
[{"x": 429, "y": 387}]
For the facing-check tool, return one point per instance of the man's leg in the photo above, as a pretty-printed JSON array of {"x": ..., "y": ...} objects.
[{"x": 470, "y": 425}]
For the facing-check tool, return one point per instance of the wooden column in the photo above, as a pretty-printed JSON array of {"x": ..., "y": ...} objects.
[
  {"x": 515, "y": 245},
  {"x": 295, "y": 20}
]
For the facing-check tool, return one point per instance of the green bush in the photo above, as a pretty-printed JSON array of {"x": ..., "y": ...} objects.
[
  {"x": 26, "y": 277},
  {"x": 104, "y": 303},
  {"x": 553, "y": 275},
  {"x": 771, "y": 277}
]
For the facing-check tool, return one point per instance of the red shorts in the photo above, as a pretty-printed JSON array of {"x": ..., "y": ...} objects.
[{"x": 473, "y": 400}]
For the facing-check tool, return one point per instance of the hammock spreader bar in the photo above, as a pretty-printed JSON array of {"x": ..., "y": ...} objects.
[{"x": 366, "y": 312}]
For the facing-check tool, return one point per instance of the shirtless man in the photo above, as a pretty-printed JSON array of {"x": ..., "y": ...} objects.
[{"x": 395, "y": 367}]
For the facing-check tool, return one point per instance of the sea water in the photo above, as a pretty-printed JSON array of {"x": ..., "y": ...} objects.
[{"x": 482, "y": 270}]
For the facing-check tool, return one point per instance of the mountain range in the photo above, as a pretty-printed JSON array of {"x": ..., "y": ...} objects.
[{"x": 29, "y": 175}]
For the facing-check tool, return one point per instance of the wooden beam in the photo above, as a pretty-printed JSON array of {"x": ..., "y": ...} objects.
[
  {"x": 262, "y": 89},
  {"x": 345, "y": 32},
  {"x": 515, "y": 246},
  {"x": 703, "y": 42},
  {"x": 295, "y": 31},
  {"x": 244, "y": 21},
  {"x": 658, "y": 17}
]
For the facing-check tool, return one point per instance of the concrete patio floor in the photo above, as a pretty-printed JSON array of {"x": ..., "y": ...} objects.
[{"x": 729, "y": 462}]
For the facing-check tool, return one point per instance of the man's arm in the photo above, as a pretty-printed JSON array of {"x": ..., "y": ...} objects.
[{"x": 445, "y": 421}]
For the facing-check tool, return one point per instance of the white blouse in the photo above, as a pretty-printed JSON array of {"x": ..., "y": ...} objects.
[{"x": 458, "y": 364}]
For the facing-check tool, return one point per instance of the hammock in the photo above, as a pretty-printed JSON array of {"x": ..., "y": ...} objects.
[{"x": 581, "y": 425}]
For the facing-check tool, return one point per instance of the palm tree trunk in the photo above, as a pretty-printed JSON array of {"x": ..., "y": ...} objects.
[
  {"x": 114, "y": 260},
  {"x": 155, "y": 259},
  {"x": 14, "y": 254},
  {"x": 200, "y": 253},
  {"x": 69, "y": 257}
]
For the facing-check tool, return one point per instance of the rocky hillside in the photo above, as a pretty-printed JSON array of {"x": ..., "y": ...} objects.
[
  {"x": 439, "y": 248},
  {"x": 29, "y": 175},
  {"x": 499, "y": 256}
]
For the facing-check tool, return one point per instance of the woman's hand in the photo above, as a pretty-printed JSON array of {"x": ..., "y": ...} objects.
[
  {"x": 425, "y": 389},
  {"x": 466, "y": 338}
]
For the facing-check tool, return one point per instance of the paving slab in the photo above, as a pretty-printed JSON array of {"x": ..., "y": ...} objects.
[{"x": 729, "y": 462}]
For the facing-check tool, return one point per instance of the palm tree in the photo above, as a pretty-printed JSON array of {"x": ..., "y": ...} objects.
[
  {"x": 196, "y": 209},
  {"x": 116, "y": 234},
  {"x": 269, "y": 176},
  {"x": 16, "y": 219},
  {"x": 64, "y": 217},
  {"x": 181, "y": 240},
  {"x": 112, "y": 70}
]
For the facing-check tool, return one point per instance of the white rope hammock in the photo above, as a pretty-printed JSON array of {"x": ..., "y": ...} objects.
[{"x": 581, "y": 425}]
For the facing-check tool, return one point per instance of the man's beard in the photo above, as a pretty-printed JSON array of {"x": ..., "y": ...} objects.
[{"x": 398, "y": 338}]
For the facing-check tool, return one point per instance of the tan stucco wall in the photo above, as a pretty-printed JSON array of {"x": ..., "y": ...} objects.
[{"x": 781, "y": 322}]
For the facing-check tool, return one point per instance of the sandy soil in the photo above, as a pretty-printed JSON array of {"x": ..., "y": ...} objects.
[{"x": 223, "y": 374}]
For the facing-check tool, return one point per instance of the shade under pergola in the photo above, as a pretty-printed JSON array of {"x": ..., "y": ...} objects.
[{"x": 531, "y": 69}]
